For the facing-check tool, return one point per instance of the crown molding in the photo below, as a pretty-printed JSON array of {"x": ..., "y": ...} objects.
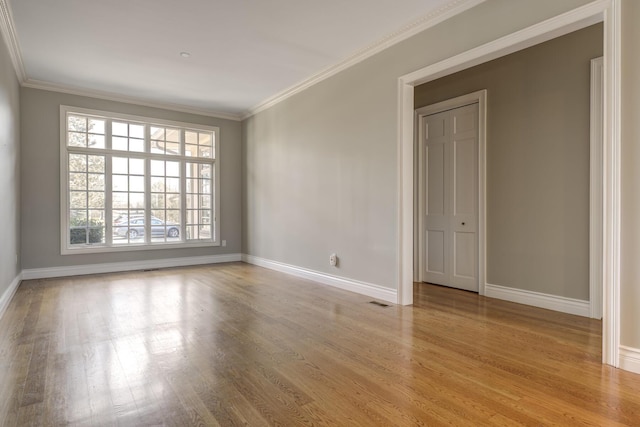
[
  {"x": 441, "y": 14},
  {"x": 108, "y": 96},
  {"x": 9, "y": 35},
  {"x": 433, "y": 18}
]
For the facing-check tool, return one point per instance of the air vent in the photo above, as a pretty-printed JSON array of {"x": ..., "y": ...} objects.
[{"x": 381, "y": 304}]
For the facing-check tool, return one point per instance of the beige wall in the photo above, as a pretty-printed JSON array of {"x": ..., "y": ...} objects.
[
  {"x": 9, "y": 170},
  {"x": 320, "y": 168},
  {"x": 537, "y": 161},
  {"x": 40, "y": 111},
  {"x": 630, "y": 221}
]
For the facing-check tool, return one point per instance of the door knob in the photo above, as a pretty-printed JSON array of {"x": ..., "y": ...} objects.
[{"x": 463, "y": 223}]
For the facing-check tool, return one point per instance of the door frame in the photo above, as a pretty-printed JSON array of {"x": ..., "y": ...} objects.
[
  {"x": 595, "y": 188},
  {"x": 607, "y": 11},
  {"x": 479, "y": 97}
]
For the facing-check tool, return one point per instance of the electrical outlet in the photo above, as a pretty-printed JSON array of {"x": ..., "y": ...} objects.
[
  {"x": 333, "y": 260},
  {"x": 224, "y": 243}
]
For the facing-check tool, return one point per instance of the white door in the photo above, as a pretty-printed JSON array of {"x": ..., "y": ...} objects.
[{"x": 449, "y": 142}]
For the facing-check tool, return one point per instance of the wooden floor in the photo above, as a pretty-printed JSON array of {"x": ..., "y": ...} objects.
[{"x": 236, "y": 344}]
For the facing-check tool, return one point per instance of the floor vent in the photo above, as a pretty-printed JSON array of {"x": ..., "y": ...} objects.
[{"x": 381, "y": 304}]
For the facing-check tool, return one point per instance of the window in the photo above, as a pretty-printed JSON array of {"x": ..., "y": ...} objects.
[{"x": 132, "y": 183}]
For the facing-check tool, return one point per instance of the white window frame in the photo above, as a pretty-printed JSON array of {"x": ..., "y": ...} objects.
[{"x": 68, "y": 249}]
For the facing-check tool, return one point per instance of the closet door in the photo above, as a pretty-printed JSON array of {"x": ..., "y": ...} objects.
[{"x": 450, "y": 163}]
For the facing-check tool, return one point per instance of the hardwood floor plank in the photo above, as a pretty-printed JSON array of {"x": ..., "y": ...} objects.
[
  {"x": 236, "y": 344},
  {"x": 35, "y": 382},
  {"x": 16, "y": 378}
]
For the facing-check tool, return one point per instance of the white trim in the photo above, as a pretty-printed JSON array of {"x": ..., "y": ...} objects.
[
  {"x": 97, "y": 94},
  {"x": 595, "y": 190},
  {"x": 630, "y": 359},
  {"x": 11, "y": 39},
  {"x": 611, "y": 184},
  {"x": 479, "y": 97},
  {"x": 115, "y": 267},
  {"x": 596, "y": 11},
  {"x": 109, "y": 114},
  {"x": 538, "y": 33},
  {"x": 530, "y": 36},
  {"x": 441, "y": 14},
  {"x": 404, "y": 246},
  {"x": 537, "y": 299},
  {"x": 67, "y": 249},
  {"x": 7, "y": 296},
  {"x": 368, "y": 289}
]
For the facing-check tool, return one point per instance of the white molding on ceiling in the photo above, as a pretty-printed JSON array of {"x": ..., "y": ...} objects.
[
  {"x": 109, "y": 96},
  {"x": 9, "y": 35},
  {"x": 7, "y": 28},
  {"x": 446, "y": 11},
  {"x": 433, "y": 18}
]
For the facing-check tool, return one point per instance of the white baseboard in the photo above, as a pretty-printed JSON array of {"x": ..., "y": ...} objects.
[
  {"x": 368, "y": 289},
  {"x": 7, "y": 296},
  {"x": 114, "y": 267},
  {"x": 630, "y": 359},
  {"x": 536, "y": 299}
]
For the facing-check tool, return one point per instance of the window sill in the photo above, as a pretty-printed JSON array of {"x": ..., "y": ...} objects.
[{"x": 89, "y": 249}]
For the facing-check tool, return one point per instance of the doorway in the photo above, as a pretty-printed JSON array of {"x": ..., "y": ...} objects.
[{"x": 607, "y": 11}]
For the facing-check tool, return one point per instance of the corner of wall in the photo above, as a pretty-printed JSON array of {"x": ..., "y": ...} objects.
[
  {"x": 630, "y": 359},
  {"x": 362, "y": 288},
  {"x": 7, "y": 296},
  {"x": 540, "y": 300}
]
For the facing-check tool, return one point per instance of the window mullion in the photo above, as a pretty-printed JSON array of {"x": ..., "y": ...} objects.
[
  {"x": 147, "y": 185},
  {"x": 183, "y": 186},
  {"x": 87, "y": 227},
  {"x": 67, "y": 198},
  {"x": 183, "y": 199},
  {"x": 108, "y": 202},
  {"x": 215, "y": 190}
]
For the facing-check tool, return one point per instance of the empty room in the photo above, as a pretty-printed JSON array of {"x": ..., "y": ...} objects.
[{"x": 419, "y": 212}]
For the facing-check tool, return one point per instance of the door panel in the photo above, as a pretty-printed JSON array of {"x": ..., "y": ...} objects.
[
  {"x": 464, "y": 260},
  {"x": 435, "y": 180},
  {"x": 449, "y": 141},
  {"x": 464, "y": 120},
  {"x": 435, "y": 254},
  {"x": 464, "y": 177},
  {"x": 437, "y": 131}
]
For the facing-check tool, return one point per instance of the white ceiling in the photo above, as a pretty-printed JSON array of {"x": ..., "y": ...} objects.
[{"x": 243, "y": 52}]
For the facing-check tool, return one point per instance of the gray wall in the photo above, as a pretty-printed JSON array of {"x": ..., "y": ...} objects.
[
  {"x": 630, "y": 224},
  {"x": 9, "y": 170},
  {"x": 320, "y": 168},
  {"x": 40, "y": 112},
  {"x": 537, "y": 161}
]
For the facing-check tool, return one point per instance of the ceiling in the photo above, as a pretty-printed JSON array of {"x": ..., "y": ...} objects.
[{"x": 242, "y": 53}]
